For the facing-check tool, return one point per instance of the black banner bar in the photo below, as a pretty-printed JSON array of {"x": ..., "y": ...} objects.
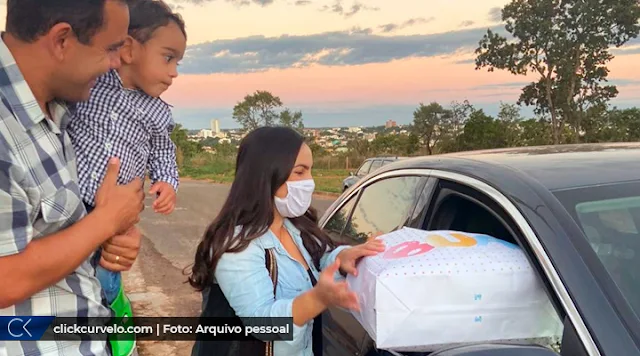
[{"x": 170, "y": 329}]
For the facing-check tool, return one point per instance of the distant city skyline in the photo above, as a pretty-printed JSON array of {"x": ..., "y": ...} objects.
[
  {"x": 200, "y": 118},
  {"x": 314, "y": 117}
]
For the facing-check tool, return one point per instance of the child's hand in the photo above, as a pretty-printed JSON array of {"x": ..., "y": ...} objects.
[{"x": 166, "y": 200}]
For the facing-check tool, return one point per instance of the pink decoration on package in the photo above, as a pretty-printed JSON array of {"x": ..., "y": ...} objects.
[{"x": 407, "y": 249}]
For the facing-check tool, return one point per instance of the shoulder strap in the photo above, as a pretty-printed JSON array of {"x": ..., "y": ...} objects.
[{"x": 272, "y": 267}]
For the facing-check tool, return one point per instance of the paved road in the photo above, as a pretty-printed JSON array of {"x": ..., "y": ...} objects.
[{"x": 156, "y": 283}]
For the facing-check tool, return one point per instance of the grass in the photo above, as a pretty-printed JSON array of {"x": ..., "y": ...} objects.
[{"x": 327, "y": 180}]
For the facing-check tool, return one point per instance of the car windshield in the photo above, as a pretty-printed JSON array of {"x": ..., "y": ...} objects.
[{"x": 609, "y": 216}]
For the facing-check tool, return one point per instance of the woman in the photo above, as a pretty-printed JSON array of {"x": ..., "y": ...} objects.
[{"x": 268, "y": 207}]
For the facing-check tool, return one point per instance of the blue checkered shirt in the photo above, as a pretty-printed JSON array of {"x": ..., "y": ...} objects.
[
  {"x": 39, "y": 196},
  {"x": 127, "y": 124}
]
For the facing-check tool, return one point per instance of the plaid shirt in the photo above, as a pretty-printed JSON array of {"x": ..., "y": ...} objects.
[
  {"x": 128, "y": 124},
  {"x": 39, "y": 196}
]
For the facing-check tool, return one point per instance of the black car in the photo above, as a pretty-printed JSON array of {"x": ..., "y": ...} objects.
[{"x": 573, "y": 209}]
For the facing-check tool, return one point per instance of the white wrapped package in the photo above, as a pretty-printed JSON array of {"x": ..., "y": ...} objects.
[{"x": 431, "y": 289}]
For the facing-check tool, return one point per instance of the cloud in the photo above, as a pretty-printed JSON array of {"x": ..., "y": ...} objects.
[
  {"x": 621, "y": 82},
  {"x": 466, "y": 23},
  {"x": 341, "y": 10},
  {"x": 391, "y": 27},
  {"x": 303, "y": 2},
  {"x": 465, "y": 61},
  {"x": 630, "y": 49},
  {"x": 508, "y": 85},
  {"x": 495, "y": 14},
  {"x": 340, "y": 48}
]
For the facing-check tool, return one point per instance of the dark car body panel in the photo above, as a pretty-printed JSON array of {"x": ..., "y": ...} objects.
[{"x": 528, "y": 177}]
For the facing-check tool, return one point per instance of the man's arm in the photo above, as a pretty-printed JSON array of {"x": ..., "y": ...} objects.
[{"x": 28, "y": 266}]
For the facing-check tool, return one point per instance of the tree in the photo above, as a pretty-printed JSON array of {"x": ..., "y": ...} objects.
[
  {"x": 317, "y": 150},
  {"x": 257, "y": 110},
  {"x": 535, "y": 132},
  {"x": 566, "y": 43},
  {"x": 410, "y": 144},
  {"x": 614, "y": 126},
  {"x": 459, "y": 115},
  {"x": 292, "y": 119},
  {"x": 384, "y": 144},
  {"x": 209, "y": 142},
  {"x": 509, "y": 117},
  {"x": 185, "y": 149},
  {"x": 482, "y": 132},
  {"x": 591, "y": 28},
  {"x": 226, "y": 149},
  {"x": 359, "y": 147},
  {"x": 431, "y": 123}
]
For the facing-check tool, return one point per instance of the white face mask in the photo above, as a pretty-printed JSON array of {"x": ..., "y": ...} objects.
[{"x": 298, "y": 200}]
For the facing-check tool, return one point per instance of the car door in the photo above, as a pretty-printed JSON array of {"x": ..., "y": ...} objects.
[
  {"x": 455, "y": 206},
  {"x": 383, "y": 204},
  {"x": 453, "y": 201}
]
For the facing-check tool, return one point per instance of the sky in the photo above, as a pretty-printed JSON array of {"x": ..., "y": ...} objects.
[{"x": 348, "y": 62}]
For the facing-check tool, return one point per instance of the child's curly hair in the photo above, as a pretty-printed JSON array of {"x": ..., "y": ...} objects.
[{"x": 146, "y": 16}]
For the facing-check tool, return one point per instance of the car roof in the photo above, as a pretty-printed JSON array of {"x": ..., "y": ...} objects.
[{"x": 555, "y": 166}]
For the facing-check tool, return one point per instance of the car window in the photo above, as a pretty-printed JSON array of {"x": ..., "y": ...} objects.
[
  {"x": 376, "y": 164},
  {"x": 609, "y": 216},
  {"x": 459, "y": 213},
  {"x": 383, "y": 207},
  {"x": 338, "y": 220},
  {"x": 364, "y": 169}
]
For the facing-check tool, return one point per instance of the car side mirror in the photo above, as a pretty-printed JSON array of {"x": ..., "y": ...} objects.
[
  {"x": 497, "y": 350},
  {"x": 351, "y": 174}
]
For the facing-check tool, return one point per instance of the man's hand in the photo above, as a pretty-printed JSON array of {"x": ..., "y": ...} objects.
[
  {"x": 120, "y": 252},
  {"x": 120, "y": 204},
  {"x": 166, "y": 200}
]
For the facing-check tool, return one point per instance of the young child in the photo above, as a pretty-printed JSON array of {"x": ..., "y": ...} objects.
[{"x": 125, "y": 118}]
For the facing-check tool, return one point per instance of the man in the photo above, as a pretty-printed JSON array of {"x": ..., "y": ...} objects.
[{"x": 52, "y": 51}]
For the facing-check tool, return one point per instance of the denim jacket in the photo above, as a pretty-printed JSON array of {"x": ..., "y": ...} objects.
[{"x": 245, "y": 282}]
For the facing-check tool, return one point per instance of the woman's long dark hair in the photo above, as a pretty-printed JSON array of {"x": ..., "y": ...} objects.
[{"x": 265, "y": 160}]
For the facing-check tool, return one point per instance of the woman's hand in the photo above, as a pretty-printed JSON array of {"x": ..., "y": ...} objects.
[
  {"x": 352, "y": 255},
  {"x": 331, "y": 293}
]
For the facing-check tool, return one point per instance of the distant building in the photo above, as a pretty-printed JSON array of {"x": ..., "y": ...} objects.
[
  {"x": 204, "y": 133},
  {"x": 215, "y": 126},
  {"x": 390, "y": 123}
]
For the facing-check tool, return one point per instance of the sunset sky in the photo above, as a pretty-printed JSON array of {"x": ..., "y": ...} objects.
[{"x": 346, "y": 62}]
